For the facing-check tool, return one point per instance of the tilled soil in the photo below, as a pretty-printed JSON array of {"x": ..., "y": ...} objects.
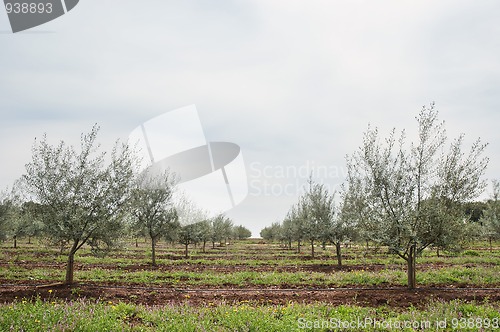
[
  {"x": 142, "y": 294},
  {"x": 208, "y": 295},
  {"x": 188, "y": 267}
]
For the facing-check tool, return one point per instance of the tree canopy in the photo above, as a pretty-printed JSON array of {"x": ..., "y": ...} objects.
[
  {"x": 84, "y": 192},
  {"x": 152, "y": 207},
  {"x": 409, "y": 195}
]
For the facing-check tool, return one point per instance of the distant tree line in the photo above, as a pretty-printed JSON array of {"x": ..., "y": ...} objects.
[{"x": 314, "y": 219}]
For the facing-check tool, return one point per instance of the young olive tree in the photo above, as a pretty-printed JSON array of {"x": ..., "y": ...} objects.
[
  {"x": 23, "y": 218},
  {"x": 321, "y": 221},
  {"x": 205, "y": 228},
  {"x": 221, "y": 229},
  {"x": 33, "y": 212},
  {"x": 5, "y": 213},
  {"x": 410, "y": 195},
  {"x": 191, "y": 219},
  {"x": 317, "y": 208},
  {"x": 152, "y": 207},
  {"x": 227, "y": 233},
  {"x": 287, "y": 234},
  {"x": 189, "y": 234},
  {"x": 83, "y": 193},
  {"x": 241, "y": 232},
  {"x": 491, "y": 217},
  {"x": 271, "y": 233},
  {"x": 342, "y": 229},
  {"x": 296, "y": 224},
  {"x": 19, "y": 225}
]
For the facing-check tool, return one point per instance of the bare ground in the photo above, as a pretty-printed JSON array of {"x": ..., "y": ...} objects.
[{"x": 390, "y": 296}]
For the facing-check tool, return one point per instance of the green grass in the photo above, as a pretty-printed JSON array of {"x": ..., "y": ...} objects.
[
  {"x": 84, "y": 315},
  {"x": 478, "y": 276},
  {"x": 475, "y": 266},
  {"x": 243, "y": 253}
]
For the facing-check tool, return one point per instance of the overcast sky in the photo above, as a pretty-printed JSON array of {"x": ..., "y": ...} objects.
[{"x": 294, "y": 83}]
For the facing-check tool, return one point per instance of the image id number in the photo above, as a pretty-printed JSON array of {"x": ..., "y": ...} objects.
[{"x": 28, "y": 8}]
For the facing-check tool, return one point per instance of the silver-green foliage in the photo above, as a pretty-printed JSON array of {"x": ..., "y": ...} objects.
[
  {"x": 491, "y": 217},
  {"x": 5, "y": 209},
  {"x": 83, "y": 192},
  {"x": 408, "y": 195},
  {"x": 221, "y": 229},
  {"x": 317, "y": 209},
  {"x": 152, "y": 208}
]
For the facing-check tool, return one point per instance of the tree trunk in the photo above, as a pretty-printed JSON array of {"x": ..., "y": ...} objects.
[
  {"x": 323, "y": 245},
  {"x": 412, "y": 266},
  {"x": 289, "y": 244},
  {"x": 204, "y": 245},
  {"x": 298, "y": 246},
  {"x": 437, "y": 252},
  {"x": 339, "y": 255},
  {"x": 29, "y": 239},
  {"x": 491, "y": 247},
  {"x": 312, "y": 248},
  {"x": 186, "y": 252},
  {"x": 15, "y": 242},
  {"x": 136, "y": 242},
  {"x": 70, "y": 268},
  {"x": 153, "y": 251}
]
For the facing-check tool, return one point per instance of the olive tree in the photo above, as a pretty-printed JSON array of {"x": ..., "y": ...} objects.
[
  {"x": 294, "y": 226},
  {"x": 205, "y": 228},
  {"x": 241, "y": 232},
  {"x": 317, "y": 218},
  {"x": 317, "y": 209},
  {"x": 24, "y": 217},
  {"x": 189, "y": 234},
  {"x": 5, "y": 212},
  {"x": 191, "y": 219},
  {"x": 83, "y": 192},
  {"x": 19, "y": 225},
  {"x": 152, "y": 206},
  {"x": 199, "y": 232},
  {"x": 271, "y": 233},
  {"x": 227, "y": 233},
  {"x": 410, "y": 194},
  {"x": 221, "y": 229},
  {"x": 491, "y": 217},
  {"x": 33, "y": 213},
  {"x": 342, "y": 228},
  {"x": 287, "y": 234}
]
